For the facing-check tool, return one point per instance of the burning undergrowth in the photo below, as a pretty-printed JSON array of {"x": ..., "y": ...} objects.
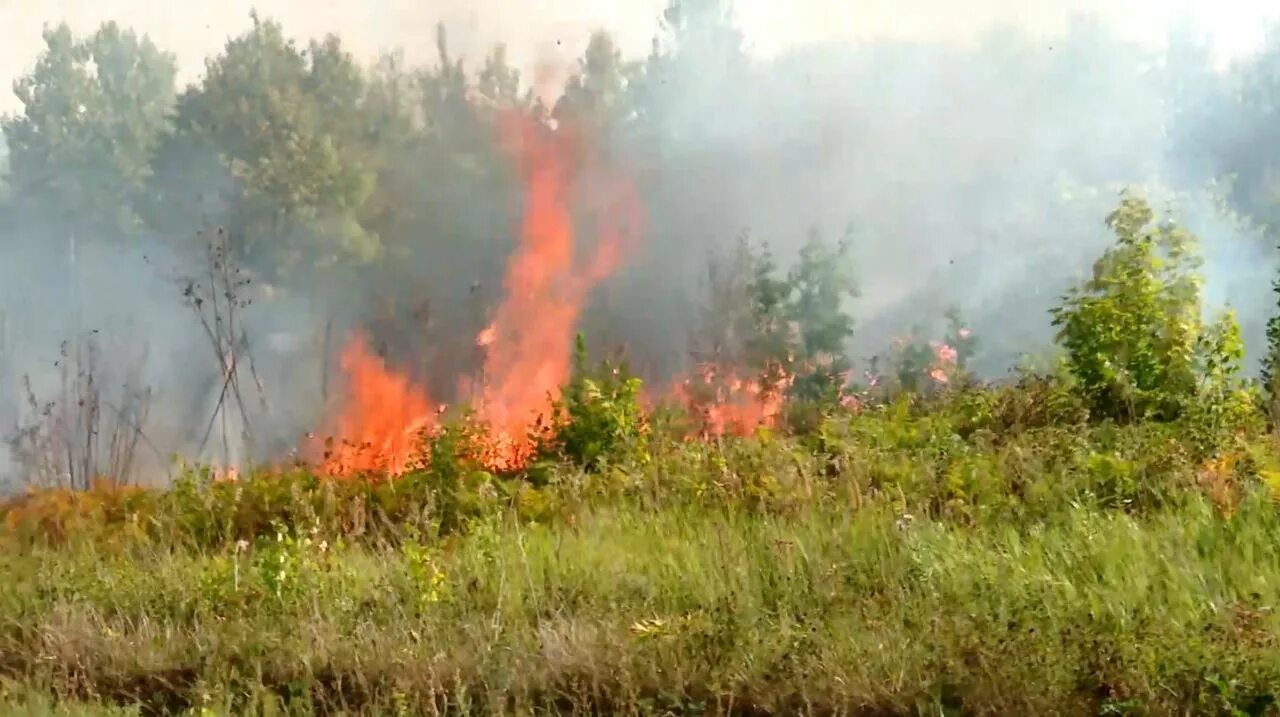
[
  {"x": 526, "y": 347},
  {"x": 512, "y": 398}
]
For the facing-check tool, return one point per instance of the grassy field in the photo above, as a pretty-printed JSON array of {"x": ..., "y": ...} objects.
[{"x": 904, "y": 560}]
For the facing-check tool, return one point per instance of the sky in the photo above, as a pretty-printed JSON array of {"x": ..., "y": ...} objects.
[{"x": 557, "y": 30}]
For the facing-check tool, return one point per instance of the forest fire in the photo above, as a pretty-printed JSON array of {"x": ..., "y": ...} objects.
[
  {"x": 381, "y": 423},
  {"x": 527, "y": 346},
  {"x": 727, "y": 404}
]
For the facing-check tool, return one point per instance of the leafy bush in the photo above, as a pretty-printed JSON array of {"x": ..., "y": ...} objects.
[
  {"x": 789, "y": 331},
  {"x": 818, "y": 287},
  {"x": 1135, "y": 340},
  {"x": 1271, "y": 361},
  {"x": 598, "y": 415}
]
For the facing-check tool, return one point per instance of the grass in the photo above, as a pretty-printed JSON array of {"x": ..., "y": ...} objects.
[
  {"x": 689, "y": 610},
  {"x": 901, "y": 561}
]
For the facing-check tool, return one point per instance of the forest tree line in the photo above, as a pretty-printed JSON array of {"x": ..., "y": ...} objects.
[{"x": 961, "y": 175}]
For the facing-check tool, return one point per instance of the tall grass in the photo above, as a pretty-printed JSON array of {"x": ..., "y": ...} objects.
[
  {"x": 684, "y": 609},
  {"x": 981, "y": 550},
  {"x": 962, "y": 557}
]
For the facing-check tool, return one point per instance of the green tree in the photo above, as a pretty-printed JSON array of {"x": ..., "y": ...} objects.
[
  {"x": 499, "y": 83},
  {"x": 698, "y": 55},
  {"x": 594, "y": 96},
  {"x": 446, "y": 200},
  {"x": 790, "y": 328},
  {"x": 960, "y": 338},
  {"x": 285, "y": 125},
  {"x": 1134, "y": 336},
  {"x": 821, "y": 283},
  {"x": 1271, "y": 360},
  {"x": 94, "y": 112},
  {"x": 678, "y": 107},
  {"x": 598, "y": 417}
]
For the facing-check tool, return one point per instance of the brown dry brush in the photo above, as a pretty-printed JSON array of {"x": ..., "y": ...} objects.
[
  {"x": 217, "y": 300},
  {"x": 82, "y": 436}
]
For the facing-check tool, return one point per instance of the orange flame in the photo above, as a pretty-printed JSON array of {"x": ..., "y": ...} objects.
[
  {"x": 381, "y": 424},
  {"x": 729, "y": 405},
  {"x": 528, "y": 345},
  {"x": 529, "y": 341}
]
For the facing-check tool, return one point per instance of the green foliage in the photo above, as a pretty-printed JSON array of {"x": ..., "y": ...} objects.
[
  {"x": 967, "y": 513},
  {"x": 820, "y": 285},
  {"x": 1271, "y": 360},
  {"x": 960, "y": 338},
  {"x": 287, "y": 563},
  {"x": 627, "y": 568},
  {"x": 422, "y": 566},
  {"x": 459, "y": 485},
  {"x": 770, "y": 347},
  {"x": 95, "y": 110},
  {"x": 285, "y": 125},
  {"x": 598, "y": 416},
  {"x": 1224, "y": 406},
  {"x": 659, "y": 610},
  {"x": 442, "y": 123},
  {"x": 593, "y": 96},
  {"x": 790, "y": 331},
  {"x": 699, "y": 53},
  {"x": 911, "y": 361},
  {"x": 1134, "y": 337}
]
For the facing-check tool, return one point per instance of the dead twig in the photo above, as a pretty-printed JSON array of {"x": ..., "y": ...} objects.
[
  {"x": 217, "y": 302},
  {"x": 70, "y": 442}
]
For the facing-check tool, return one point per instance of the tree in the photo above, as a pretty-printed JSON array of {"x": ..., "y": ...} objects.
[
  {"x": 94, "y": 112},
  {"x": 446, "y": 200},
  {"x": 697, "y": 59},
  {"x": 788, "y": 330},
  {"x": 1271, "y": 360},
  {"x": 285, "y": 126},
  {"x": 594, "y": 95},
  {"x": 499, "y": 83},
  {"x": 670, "y": 125},
  {"x": 1134, "y": 337},
  {"x": 822, "y": 281}
]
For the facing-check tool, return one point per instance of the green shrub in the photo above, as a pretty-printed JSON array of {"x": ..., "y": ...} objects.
[
  {"x": 789, "y": 332},
  {"x": 598, "y": 417},
  {"x": 1135, "y": 340},
  {"x": 1271, "y": 361}
]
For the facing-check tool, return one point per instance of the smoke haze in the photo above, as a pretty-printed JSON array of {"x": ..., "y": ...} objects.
[
  {"x": 561, "y": 29},
  {"x": 971, "y": 155}
]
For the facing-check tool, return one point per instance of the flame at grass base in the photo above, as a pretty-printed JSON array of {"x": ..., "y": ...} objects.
[
  {"x": 381, "y": 425},
  {"x": 385, "y": 421},
  {"x": 528, "y": 344}
]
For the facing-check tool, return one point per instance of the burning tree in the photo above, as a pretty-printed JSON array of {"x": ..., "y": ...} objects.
[
  {"x": 765, "y": 338},
  {"x": 527, "y": 347}
]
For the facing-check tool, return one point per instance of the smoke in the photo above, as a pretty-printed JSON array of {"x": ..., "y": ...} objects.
[
  {"x": 976, "y": 177},
  {"x": 63, "y": 296},
  {"x": 971, "y": 175}
]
